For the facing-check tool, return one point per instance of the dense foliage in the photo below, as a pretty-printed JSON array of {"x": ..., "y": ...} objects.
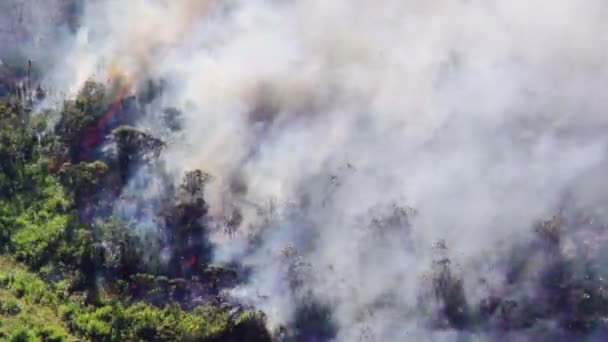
[{"x": 70, "y": 266}]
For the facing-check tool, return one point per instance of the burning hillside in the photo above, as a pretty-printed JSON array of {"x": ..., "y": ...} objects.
[{"x": 334, "y": 171}]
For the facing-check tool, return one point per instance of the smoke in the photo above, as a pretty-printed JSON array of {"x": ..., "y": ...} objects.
[
  {"x": 321, "y": 120},
  {"x": 35, "y": 29}
]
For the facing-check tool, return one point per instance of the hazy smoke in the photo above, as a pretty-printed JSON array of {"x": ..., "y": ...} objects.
[
  {"x": 36, "y": 29},
  {"x": 320, "y": 119}
]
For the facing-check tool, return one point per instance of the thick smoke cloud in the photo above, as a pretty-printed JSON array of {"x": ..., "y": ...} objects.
[
  {"x": 319, "y": 120},
  {"x": 36, "y": 29}
]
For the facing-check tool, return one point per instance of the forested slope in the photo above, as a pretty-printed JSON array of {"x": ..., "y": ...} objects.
[
  {"x": 303, "y": 170},
  {"x": 70, "y": 269}
]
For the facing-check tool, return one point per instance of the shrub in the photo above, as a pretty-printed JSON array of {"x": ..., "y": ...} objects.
[
  {"x": 10, "y": 307},
  {"x": 53, "y": 334},
  {"x": 23, "y": 334}
]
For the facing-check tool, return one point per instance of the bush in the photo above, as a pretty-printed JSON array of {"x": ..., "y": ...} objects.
[
  {"x": 10, "y": 307},
  {"x": 23, "y": 334},
  {"x": 30, "y": 288},
  {"x": 53, "y": 334}
]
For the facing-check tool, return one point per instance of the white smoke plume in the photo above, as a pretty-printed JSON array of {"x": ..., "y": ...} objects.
[
  {"x": 323, "y": 115},
  {"x": 36, "y": 29}
]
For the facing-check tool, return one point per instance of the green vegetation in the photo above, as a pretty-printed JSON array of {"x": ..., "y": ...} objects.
[
  {"x": 29, "y": 308},
  {"x": 33, "y": 310},
  {"x": 72, "y": 270}
]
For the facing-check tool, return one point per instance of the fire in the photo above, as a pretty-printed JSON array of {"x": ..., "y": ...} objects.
[{"x": 93, "y": 136}]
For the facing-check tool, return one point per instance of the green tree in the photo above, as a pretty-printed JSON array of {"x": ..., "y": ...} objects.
[
  {"x": 80, "y": 115},
  {"x": 133, "y": 147},
  {"x": 82, "y": 179}
]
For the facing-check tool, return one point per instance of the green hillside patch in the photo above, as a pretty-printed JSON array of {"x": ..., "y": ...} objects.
[{"x": 29, "y": 309}]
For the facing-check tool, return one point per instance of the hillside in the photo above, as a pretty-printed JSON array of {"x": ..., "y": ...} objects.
[
  {"x": 304, "y": 170},
  {"x": 64, "y": 277}
]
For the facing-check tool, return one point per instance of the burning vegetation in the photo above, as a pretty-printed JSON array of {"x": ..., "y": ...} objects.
[
  {"x": 65, "y": 216},
  {"x": 256, "y": 171},
  {"x": 59, "y": 217}
]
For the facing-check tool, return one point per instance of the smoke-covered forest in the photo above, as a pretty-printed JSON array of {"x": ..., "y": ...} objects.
[{"x": 303, "y": 170}]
